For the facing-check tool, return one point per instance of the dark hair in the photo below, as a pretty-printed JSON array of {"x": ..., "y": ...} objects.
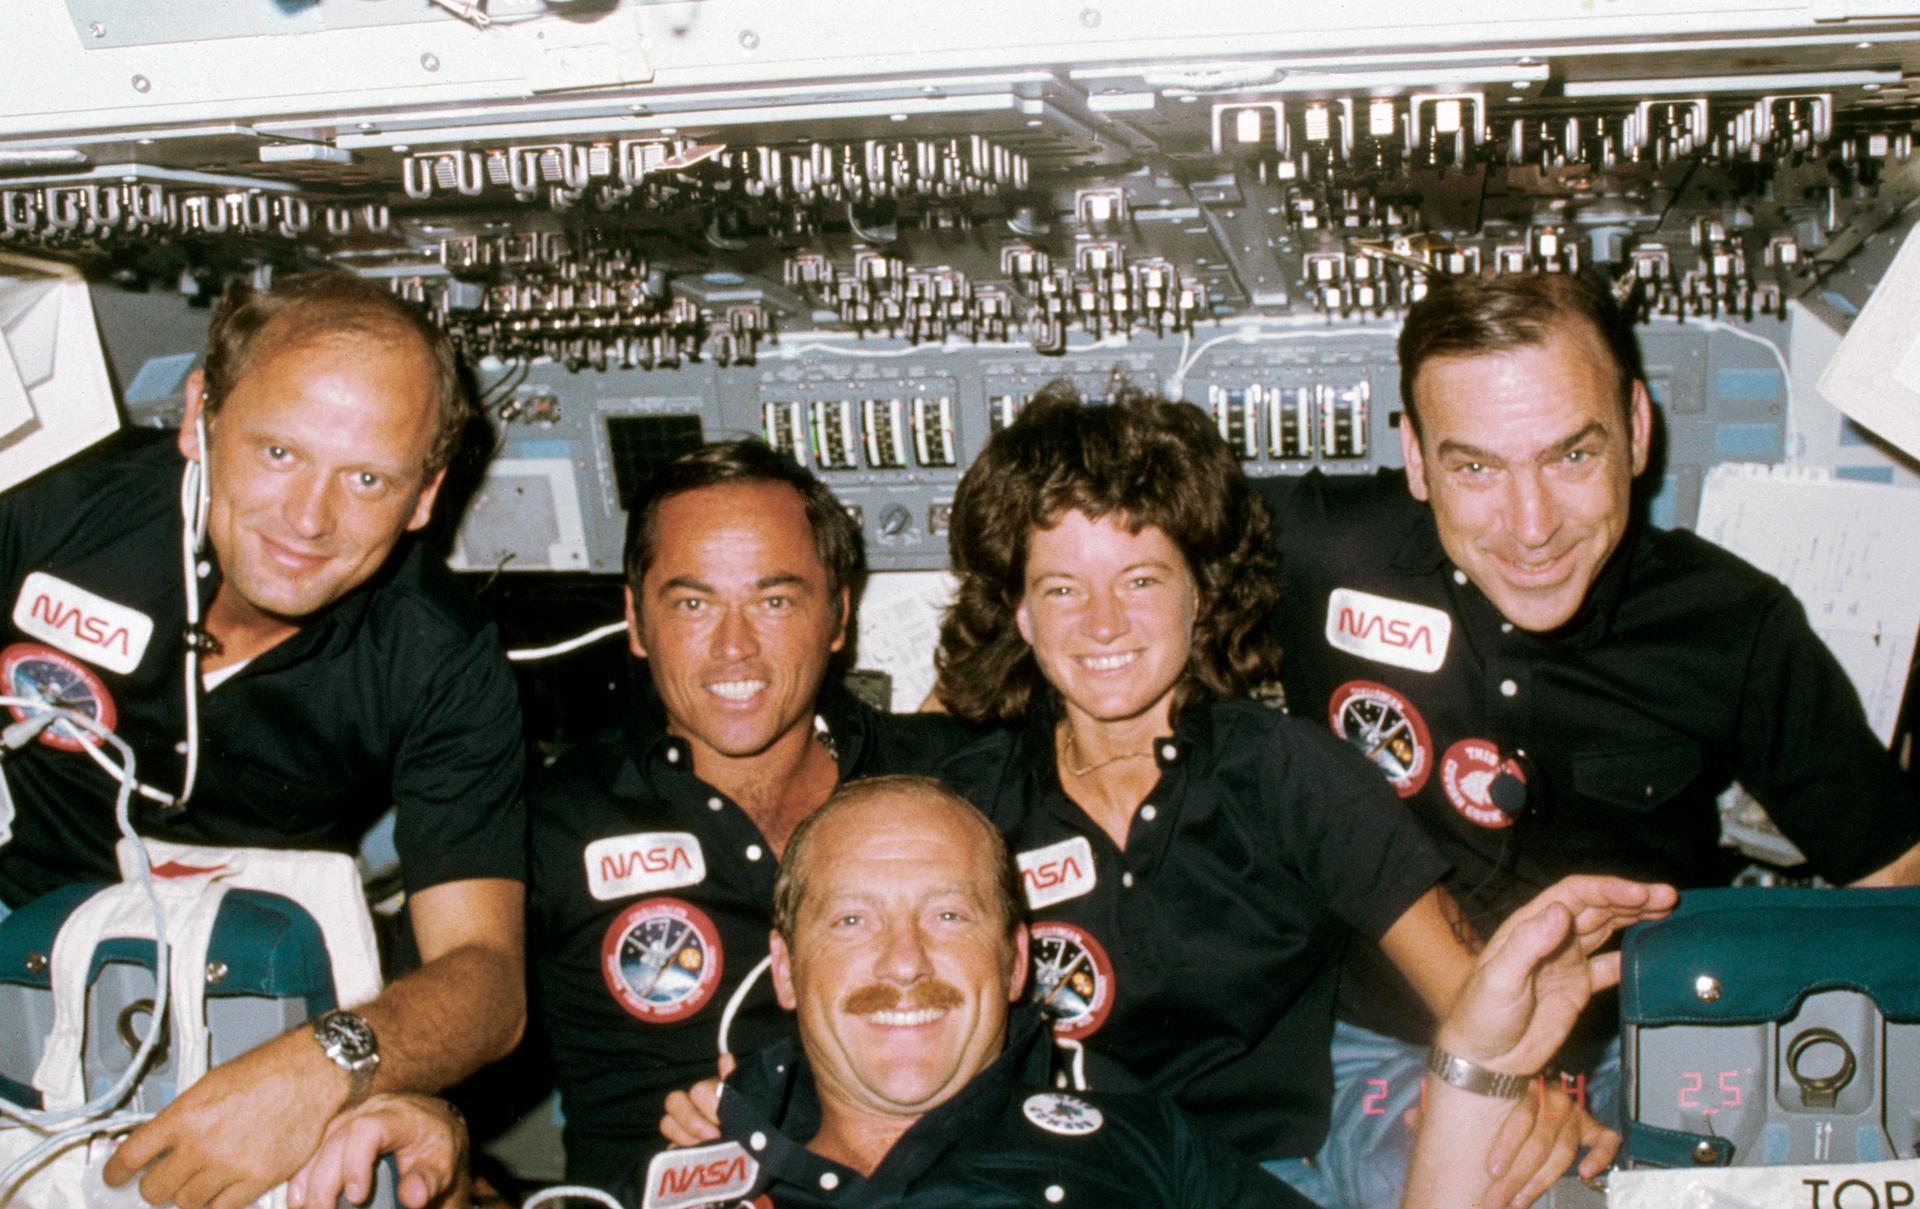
[
  {"x": 305, "y": 306},
  {"x": 1474, "y": 316},
  {"x": 1144, "y": 460},
  {"x": 790, "y": 885},
  {"x": 836, "y": 538}
]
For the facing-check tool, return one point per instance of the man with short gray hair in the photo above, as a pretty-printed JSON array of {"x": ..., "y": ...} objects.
[{"x": 244, "y": 606}]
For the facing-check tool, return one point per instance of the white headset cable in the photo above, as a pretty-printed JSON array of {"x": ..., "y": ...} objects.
[{"x": 39, "y": 716}]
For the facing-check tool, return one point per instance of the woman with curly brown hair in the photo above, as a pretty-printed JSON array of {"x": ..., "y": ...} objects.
[{"x": 1194, "y": 861}]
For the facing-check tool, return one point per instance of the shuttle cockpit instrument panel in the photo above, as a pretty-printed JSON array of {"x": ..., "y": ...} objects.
[{"x": 868, "y": 231}]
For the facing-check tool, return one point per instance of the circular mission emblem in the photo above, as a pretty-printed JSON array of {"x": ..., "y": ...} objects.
[
  {"x": 30, "y": 670},
  {"x": 1062, "y": 1114},
  {"x": 1072, "y": 979},
  {"x": 1467, "y": 773},
  {"x": 661, "y": 959},
  {"x": 1385, "y": 726}
]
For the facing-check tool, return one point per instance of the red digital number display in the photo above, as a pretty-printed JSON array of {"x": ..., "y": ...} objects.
[
  {"x": 1373, "y": 1103},
  {"x": 1695, "y": 1096}
]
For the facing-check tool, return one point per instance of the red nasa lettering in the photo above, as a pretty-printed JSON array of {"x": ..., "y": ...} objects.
[
  {"x": 699, "y": 1175},
  {"x": 96, "y": 631},
  {"x": 1057, "y": 872},
  {"x": 1048, "y": 874},
  {"x": 715, "y": 1175},
  {"x": 1394, "y": 631},
  {"x": 619, "y": 866}
]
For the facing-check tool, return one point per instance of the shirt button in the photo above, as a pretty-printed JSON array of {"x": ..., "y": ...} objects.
[
  {"x": 758, "y": 1141},
  {"x": 1126, "y": 879},
  {"x": 203, "y": 568},
  {"x": 714, "y": 803},
  {"x": 1168, "y": 751},
  {"x": 673, "y": 755},
  {"x": 1149, "y": 812},
  {"x": 1509, "y": 689},
  {"x": 1506, "y": 627},
  {"x": 1055, "y": 1194},
  {"x": 1460, "y": 577},
  {"x": 754, "y": 852},
  {"x": 180, "y": 748},
  {"x": 829, "y": 1180}
]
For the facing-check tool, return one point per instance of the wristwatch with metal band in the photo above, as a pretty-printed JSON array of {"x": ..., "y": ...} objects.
[
  {"x": 1469, "y": 1076},
  {"x": 348, "y": 1042}
]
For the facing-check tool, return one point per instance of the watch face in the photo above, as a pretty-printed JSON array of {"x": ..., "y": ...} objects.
[{"x": 350, "y": 1036}]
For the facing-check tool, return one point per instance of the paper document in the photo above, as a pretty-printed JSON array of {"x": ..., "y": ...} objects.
[
  {"x": 900, "y": 626},
  {"x": 1846, "y": 549}
]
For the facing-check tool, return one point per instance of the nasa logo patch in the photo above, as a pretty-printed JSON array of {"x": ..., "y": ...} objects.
[
  {"x": 42, "y": 674},
  {"x": 661, "y": 960},
  {"x": 1057, "y": 872},
  {"x": 620, "y": 866},
  {"x": 699, "y": 1175},
  {"x": 1072, "y": 979},
  {"x": 82, "y": 623},
  {"x": 1062, "y": 1114},
  {"x": 1385, "y": 630},
  {"x": 1387, "y": 730},
  {"x": 1467, "y": 772}
]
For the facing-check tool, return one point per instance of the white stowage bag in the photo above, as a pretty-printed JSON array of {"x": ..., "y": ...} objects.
[{"x": 191, "y": 882}]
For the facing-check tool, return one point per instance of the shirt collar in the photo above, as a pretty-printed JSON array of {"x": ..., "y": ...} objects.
[
  {"x": 772, "y": 1108},
  {"x": 1192, "y": 730}
]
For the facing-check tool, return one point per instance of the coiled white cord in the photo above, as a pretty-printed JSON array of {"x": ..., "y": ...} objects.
[{"x": 93, "y": 1115}]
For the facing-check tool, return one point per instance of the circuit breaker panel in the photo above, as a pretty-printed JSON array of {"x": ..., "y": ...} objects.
[{"x": 868, "y": 232}]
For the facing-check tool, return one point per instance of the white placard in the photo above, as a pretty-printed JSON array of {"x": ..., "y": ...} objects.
[{"x": 1886, "y": 1185}]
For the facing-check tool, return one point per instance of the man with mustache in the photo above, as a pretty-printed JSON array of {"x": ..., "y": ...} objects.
[
  {"x": 281, "y": 682},
  {"x": 654, "y": 848},
  {"x": 898, "y": 942},
  {"x": 1553, "y": 686}
]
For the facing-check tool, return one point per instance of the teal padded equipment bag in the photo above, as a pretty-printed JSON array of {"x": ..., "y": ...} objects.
[
  {"x": 1765, "y": 1026},
  {"x": 267, "y": 971}
]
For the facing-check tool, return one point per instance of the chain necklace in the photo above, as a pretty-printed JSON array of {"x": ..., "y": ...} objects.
[{"x": 1073, "y": 757}]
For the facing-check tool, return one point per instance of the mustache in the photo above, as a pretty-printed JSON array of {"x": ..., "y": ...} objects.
[{"x": 922, "y": 995}]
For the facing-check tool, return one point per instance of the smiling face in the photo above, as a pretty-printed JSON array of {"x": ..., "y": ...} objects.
[
  {"x": 735, "y": 618},
  {"x": 1109, "y": 615},
  {"x": 318, "y": 457},
  {"x": 901, "y": 966},
  {"x": 1528, "y": 462}
]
